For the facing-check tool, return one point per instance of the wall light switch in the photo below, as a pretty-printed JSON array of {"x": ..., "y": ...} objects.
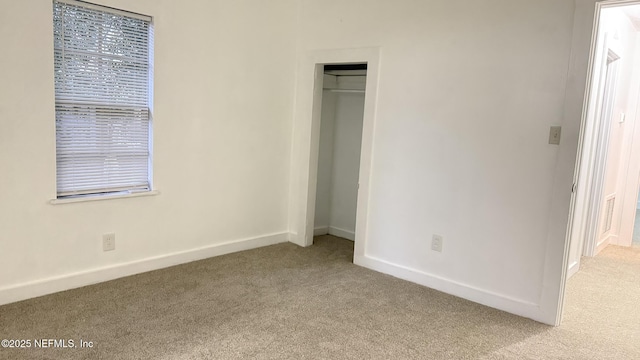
[{"x": 554, "y": 135}]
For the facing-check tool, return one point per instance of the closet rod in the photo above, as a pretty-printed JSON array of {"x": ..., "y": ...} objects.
[{"x": 347, "y": 91}]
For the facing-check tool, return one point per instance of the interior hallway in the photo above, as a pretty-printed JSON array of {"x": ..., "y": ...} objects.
[{"x": 288, "y": 302}]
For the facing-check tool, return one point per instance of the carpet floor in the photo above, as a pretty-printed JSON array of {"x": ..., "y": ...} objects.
[{"x": 287, "y": 302}]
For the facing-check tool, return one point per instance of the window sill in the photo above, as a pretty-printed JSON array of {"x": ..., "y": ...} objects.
[{"x": 102, "y": 197}]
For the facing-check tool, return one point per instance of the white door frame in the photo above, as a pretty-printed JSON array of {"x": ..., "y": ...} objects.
[
  {"x": 306, "y": 141},
  {"x": 584, "y": 175},
  {"x": 593, "y": 154},
  {"x": 600, "y": 147}
]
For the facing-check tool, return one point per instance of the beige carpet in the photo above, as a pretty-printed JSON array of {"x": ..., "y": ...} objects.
[{"x": 287, "y": 302}]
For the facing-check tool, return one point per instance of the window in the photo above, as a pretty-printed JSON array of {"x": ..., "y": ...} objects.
[{"x": 103, "y": 77}]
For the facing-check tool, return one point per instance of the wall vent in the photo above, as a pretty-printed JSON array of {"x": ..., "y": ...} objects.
[{"x": 608, "y": 215}]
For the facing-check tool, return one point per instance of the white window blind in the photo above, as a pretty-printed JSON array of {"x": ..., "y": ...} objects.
[{"x": 103, "y": 79}]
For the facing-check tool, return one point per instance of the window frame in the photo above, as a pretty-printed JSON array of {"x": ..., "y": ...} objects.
[{"x": 112, "y": 192}]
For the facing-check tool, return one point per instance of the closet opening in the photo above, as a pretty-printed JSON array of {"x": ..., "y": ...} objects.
[{"x": 339, "y": 151}]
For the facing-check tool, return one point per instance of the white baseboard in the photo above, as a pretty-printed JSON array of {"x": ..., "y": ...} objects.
[
  {"x": 573, "y": 269},
  {"x": 75, "y": 280},
  {"x": 484, "y": 297},
  {"x": 320, "y": 230},
  {"x": 350, "y": 235},
  {"x": 332, "y": 230},
  {"x": 604, "y": 243}
]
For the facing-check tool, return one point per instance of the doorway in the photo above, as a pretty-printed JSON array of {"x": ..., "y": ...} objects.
[
  {"x": 306, "y": 143},
  {"x": 608, "y": 166},
  {"x": 341, "y": 124}
]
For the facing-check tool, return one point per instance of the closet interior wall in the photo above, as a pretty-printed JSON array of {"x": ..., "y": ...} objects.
[{"x": 339, "y": 156}]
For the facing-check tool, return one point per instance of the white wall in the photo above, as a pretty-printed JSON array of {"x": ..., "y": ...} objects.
[
  {"x": 629, "y": 177},
  {"x": 467, "y": 92},
  {"x": 346, "y": 163},
  {"x": 224, "y": 75},
  {"x": 339, "y": 158},
  {"x": 325, "y": 162}
]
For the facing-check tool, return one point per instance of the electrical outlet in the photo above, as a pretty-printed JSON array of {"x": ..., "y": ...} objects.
[
  {"x": 108, "y": 242},
  {"x": 436, "y": 243}
]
